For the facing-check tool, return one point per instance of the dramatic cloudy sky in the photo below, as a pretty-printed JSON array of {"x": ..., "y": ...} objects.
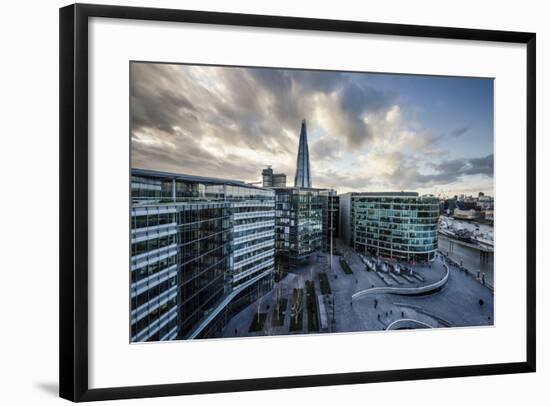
[{"x": 367, "y": 132}]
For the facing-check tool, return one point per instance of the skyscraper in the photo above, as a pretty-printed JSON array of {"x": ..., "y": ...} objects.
[{"x": 303, "y": 174}]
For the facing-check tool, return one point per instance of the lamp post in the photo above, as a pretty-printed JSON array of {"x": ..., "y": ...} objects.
[{"x": 331, "y": 227}]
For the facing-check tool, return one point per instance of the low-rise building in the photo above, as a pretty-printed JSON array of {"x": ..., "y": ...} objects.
[{"x": 270, "y": 179}]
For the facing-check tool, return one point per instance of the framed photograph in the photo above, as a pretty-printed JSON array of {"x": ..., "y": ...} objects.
[{"x": 257, "y": 202}]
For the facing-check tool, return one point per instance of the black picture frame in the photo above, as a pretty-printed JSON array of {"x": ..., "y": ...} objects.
[{"x": 73, "y": 254}]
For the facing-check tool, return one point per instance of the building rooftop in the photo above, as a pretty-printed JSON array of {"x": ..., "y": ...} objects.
[
  {"x": 192, "y": 178},
  {"x": 386, "y": 194},
  {"x": 298, "y": 188}
]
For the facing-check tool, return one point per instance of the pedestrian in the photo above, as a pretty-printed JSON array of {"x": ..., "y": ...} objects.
[{"x": 236, "y": 332}]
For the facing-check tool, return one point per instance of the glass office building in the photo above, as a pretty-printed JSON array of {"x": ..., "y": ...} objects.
[
  {"x": 331, "y": 217},
  {"x": 201, "y": 249},
  {"x": 400, "y": 226},
  {"x": 298, "y": 224},
  {"x": 154, "y": 272}
]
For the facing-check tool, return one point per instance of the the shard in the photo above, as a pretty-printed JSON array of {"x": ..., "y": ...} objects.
[{"x": 303, "y": 174}]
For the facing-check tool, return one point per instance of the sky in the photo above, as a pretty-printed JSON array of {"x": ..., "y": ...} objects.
[{"x": 366, "y": 131}]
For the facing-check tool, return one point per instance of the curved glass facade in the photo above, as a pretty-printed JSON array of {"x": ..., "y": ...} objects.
[
  {"x": 400, "y": 226},
  {"x": 201, "y": 249}
]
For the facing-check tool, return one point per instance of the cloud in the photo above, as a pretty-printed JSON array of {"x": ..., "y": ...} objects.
[
  {"x": 473, "y": 166},
  {"x": 356, "y": 101},
  {"x": 211, "y": 111},
  {"x": 232, "y": 122},
  {"x": 343, "y": 181},
  {"x": 408, "y": 173},
  {"x": 459, "y": 131},
  {"x": 160, "y": 107},
  {"x": 326, "y": 149}
]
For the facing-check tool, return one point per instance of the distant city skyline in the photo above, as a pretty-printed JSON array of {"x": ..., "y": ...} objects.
[{"x": 366, "y": 131}]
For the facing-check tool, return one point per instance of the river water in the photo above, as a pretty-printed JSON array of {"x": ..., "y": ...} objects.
[{"x": 470, "y": 258}]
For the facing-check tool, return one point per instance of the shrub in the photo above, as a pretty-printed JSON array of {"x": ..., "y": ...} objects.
[
  {"x": 345, "y": 267},
  {"x": 312, "y": 312},
  {"x": 324, "y": 283},
  {"x": 257, "y": 325}
]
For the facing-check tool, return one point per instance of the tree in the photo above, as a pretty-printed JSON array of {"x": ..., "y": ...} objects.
[
  {"x": 333, "y": 309},
  {"x": 268, "y": 328},
  {"x": 298, "y": 304},
  {"x": 278, "y": 299},
  {"x": 280, "y": 292}
]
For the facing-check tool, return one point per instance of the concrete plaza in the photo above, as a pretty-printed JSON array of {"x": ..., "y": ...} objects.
[{"x": 462, "y": 301}]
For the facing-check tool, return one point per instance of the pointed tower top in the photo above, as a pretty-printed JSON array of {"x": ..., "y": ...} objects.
[{"x": 303, "y": 175}]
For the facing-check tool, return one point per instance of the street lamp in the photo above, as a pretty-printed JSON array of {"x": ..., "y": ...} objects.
[{"x": 331, "y": 227}]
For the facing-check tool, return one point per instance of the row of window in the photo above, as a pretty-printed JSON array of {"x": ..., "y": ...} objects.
[
  {"x": 194, "y": 249},
  {"x": 194, "y": 286},
  {"x": 153, "y": 268},
  {"x": 396, "y": 200},
  {"x": 252, "y": 265},
  {"x": 372, "y": 239},
  {"x": 153, "y": 292},
  {"x": 252, "y": 254},
  {"x": 255, "y": 241},
  {"x": 187, "y": 217},
  {"x": 153, "y": 244},
  {"x": 217, "y": 257},
  {"x": 245, "y": 233},
  {"x": 403, "y": 232},
  {"x": 375, "y": 225},
  {"x": 153, "y": 316},
  {"x": 241, "y": 222},
  {"x": 152, "y": 220},
  {"x": 401, "y": 247}
]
